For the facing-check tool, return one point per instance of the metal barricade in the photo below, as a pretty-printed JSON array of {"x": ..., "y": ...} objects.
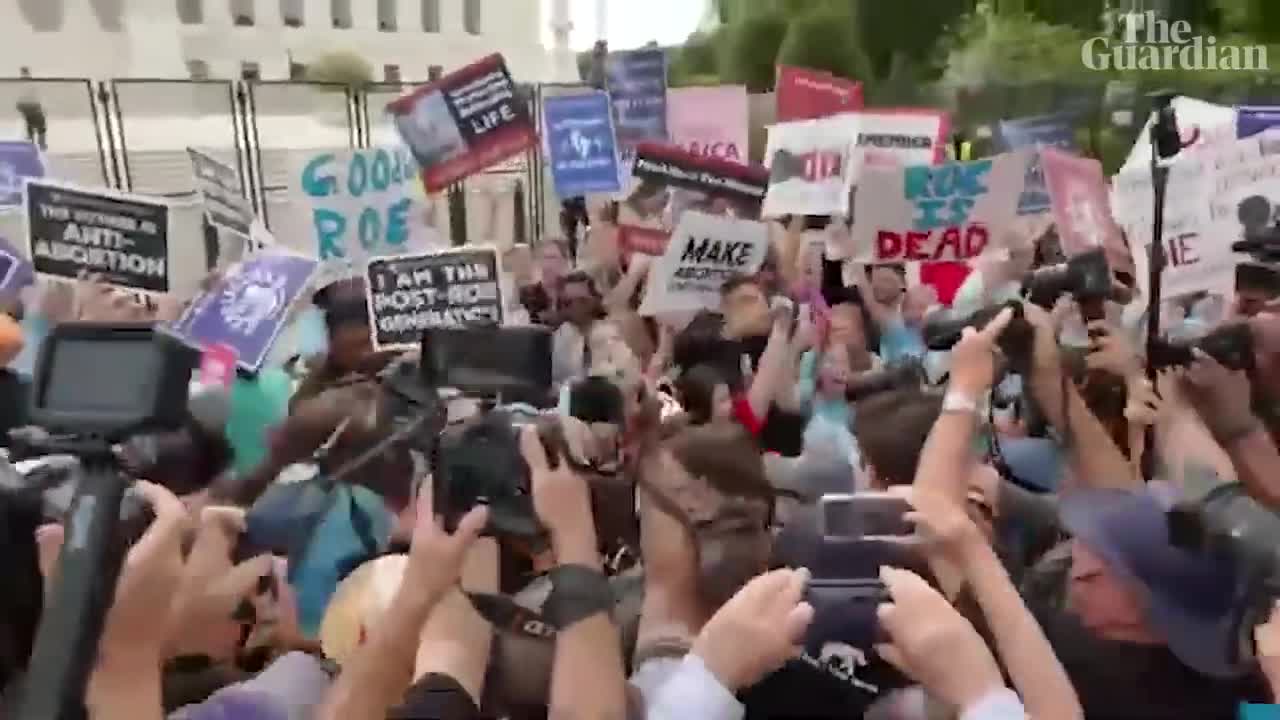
[{"x": 73, "y": 135}]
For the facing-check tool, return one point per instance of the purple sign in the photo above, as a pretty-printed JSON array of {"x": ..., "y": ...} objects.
[
  {"x": 19, "y": 160},
  {"x": 247, "y": 307},
  {"x": 15, "y": 271},
  {"x": 1253, "y": 120}
]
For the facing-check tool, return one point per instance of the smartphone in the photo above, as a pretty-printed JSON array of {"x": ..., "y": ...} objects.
[{"x": 863, "y": 515}]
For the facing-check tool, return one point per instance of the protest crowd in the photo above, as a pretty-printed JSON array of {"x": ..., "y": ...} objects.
[{"x": 869, "y": 431}]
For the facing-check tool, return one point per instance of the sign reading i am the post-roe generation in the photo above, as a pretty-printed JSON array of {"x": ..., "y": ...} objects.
[
  {"x": 122, "y": 238},
  {"x": 408, "y": 294}
]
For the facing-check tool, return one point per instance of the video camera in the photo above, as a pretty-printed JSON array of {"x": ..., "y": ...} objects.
[
  {"x": 1225, "y": 520},
  {"x": 95, "y": 386}
]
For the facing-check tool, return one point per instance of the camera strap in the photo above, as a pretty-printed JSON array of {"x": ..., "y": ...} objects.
[{"x": 577, "y": 593}]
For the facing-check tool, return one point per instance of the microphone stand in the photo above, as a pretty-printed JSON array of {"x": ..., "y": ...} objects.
[{"x": 1166, "y": 142}]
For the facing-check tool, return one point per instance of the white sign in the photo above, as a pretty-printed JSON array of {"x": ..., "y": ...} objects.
[
  {"x": 810, "y": 166},
  {"x": 1198, "y": 121},
  {"x": 705, "y": 251},
  {"x": 359, "y": 204},
  {"x": 935, "y": 213},
  {"x": 902, "y": 137}
]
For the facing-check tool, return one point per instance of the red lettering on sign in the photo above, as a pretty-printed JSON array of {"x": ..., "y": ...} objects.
[
  {"x": 726, "y": 151},
  {"x": 915, "y": 251},
  {"x": 888, "y": 244},
  {"x": 950, "y": 238},
  {"x": 975, "y": 240},
  {"x": 819, "y": 166}
]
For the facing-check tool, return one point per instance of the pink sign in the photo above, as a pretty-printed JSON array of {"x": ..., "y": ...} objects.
[
  {"x": 1081, "y": 203},
  {"x": 804, "y": 94},
  {"x": 709, "y": 121},
  {"x": 218, "y": 365}
]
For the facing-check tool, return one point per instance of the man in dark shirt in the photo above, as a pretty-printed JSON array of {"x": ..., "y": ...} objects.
[{"x": 1143, "y": 628}]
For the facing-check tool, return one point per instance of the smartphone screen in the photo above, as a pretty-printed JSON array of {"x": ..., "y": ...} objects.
[{"x": 864, "y": 515}]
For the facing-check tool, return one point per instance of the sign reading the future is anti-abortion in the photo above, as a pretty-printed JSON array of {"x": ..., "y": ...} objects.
[
  {"x": 122, "y": 238},
  {"x": 411, "y": 293},
  {"x": 248, "y": 306},
  {"x": 581, "y": 144},
  {"x": 359, "y": 204},
  {"x": 933, "y": 213}
]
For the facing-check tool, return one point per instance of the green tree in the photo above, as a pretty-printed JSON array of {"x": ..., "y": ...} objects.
[
  {"x": 697, "y": 61},
  {"x": 341, "y": 67},
  {"x": 825, "y": 39},
  {"x": 750, "y": 50}
]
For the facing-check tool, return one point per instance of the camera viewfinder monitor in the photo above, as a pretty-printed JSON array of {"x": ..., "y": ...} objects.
[
  {"x": 111, "y": 380},
  {"x": 489, "y": 361}
]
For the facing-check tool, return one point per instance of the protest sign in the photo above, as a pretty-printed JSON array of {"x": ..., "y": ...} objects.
[
  {"x": 804, "y": 94},
  {"x": 810, "y": 168},
  {"x": 19, "y": 159},
  {"x": 1056, "y": 131},
  {"x": 1196, "y": 260},
  {"x": 225, "y": 204},
  {"x": 935, "y": 213},
  {"x": 452, "y": 288},
  {"x": 1253, "y": 119},
  {"x": 1081, "y": 207},
  {"x": 673, "y": 181},
  {"x": 358, "y": 203},
  {"x": 581, "y": 144},
  {"x": 247, "y": 307},
  {"x": 902, "y": 136},
  {"x": 218, "y": 365},
  {"x": 15, "y": 271},
  {"x": 121, "y": 237},
  {"x": 637, "y": 83},
  {"x": 710, "y": 121},
  {"x": 704, "y": 252},
  {"x": 1244, "y": 203},
  {"x": 1200, "y": 122},
  {"x": 464, "y": 122}
]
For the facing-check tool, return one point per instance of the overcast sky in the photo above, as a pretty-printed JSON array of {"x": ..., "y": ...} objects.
[{"x": 633, "y": 23}]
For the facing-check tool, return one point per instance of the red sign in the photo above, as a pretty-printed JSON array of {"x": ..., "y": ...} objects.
[
  {"x": 468, "y": 120},
  {"x": 218, "y": 365},
  {"x": 804, "y": 94}
]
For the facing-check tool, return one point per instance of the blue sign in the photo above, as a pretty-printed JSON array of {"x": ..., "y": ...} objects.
[
  {"x": 637, "y": 83},
  {"x": 581, "y": 144},
  {"x": 18, "y": 159},
  {"x": 15, "y": 272},
  {"x": 1054, "y": 131},
  {"x": 247, "y": 307},
  {"x": 1251, "y": 120},
  {"x": 944, "y": 195}
]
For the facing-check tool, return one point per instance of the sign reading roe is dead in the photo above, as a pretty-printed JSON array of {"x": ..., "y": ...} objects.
[{"x": 408, "y": 294}]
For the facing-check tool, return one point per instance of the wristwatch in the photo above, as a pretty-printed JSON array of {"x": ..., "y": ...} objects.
[
  {"x": 577, "y": 593},
  {"x": 957, "y": 402}
]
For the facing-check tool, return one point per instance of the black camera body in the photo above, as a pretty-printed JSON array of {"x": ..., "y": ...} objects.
[
  {"x": 1086, "y": 277},
  {"x": 1231, "y": 345}
]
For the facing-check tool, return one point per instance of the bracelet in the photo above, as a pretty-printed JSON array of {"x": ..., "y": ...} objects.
[
  {"x": 957, "y": 402},
  {"x": 577, "y": 593}
]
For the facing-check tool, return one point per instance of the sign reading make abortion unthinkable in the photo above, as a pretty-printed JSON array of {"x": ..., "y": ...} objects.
[
  {"x": 704, "y": 252},
  {"x": 452, "y": 288},
  {"x": 359, "y": 203},
  {"x": 936, "y": 213},
  {"x": 248, "y": 306},
  {"x": 466, "y": 121},
  {"x": 122, "y": 238}
]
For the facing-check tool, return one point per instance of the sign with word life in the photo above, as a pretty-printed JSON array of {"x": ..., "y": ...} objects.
[
  {"x": 19, "y": 160},
  {"x": 468, "y": 120},
  {"x": 804, "y": 94},
  {"x": 225, "y": 204},
  {"x": 411, "y": 293},
  {"x": 359, "y": 203},
  {"x": 938, "y": 213},
  {"x": 710, "y": 121},
  {"x": 122, "y": 238},
  {"x": 810, "y": 172},
  {"x": 247, "y": 307},
  {"x": 581, "y": 145},
  {"x": 704, "y": 252}
]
